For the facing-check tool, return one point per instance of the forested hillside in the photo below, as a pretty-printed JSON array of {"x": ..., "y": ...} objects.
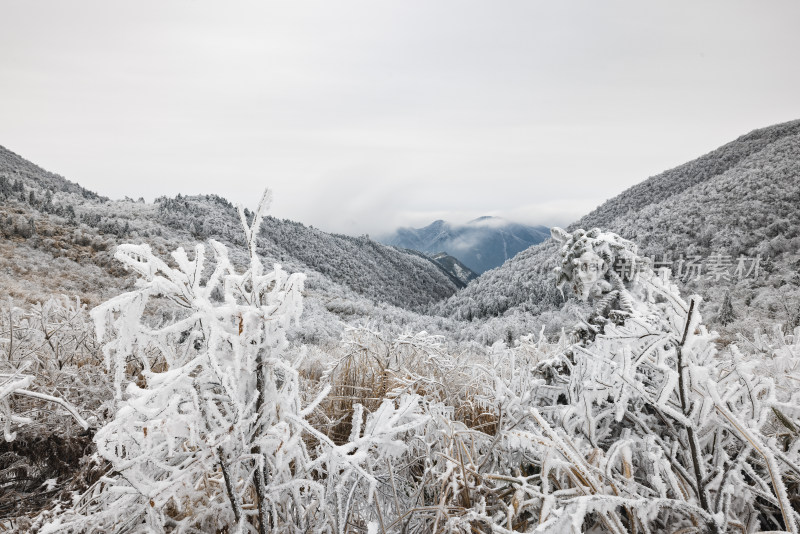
[
  {"x": 376, "y": 271},
  {"x": 737, "y": 202},
  {"x": 61, "y": 238},
  {"x": 680, "y": 179},
  {"x": 458, "y": 270}
]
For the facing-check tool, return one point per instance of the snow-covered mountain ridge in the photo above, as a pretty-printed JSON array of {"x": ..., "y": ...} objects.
[
  {"x": 59, "y": 238},
  {"x": 740, "y": 200}
]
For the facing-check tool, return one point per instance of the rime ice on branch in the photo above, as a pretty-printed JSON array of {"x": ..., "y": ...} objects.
[
  {"x": 680, "y": 434},
  {"x": 646, "y": 425},
  {"x": 209, "y": 429},
  {"x": 209, "y": 408},
  {"x": 588, "y": 259}
]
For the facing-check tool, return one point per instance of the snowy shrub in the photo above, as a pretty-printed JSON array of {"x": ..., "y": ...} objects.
[
  {"x": 42, "y": 348},
  {"x": 209, "y": 431},
  {"x": 633, "y": 421},
  {"x": 642, "y": 425},
  {"x": 52, "y": 388},
  {"x": 653, "y": 429}
]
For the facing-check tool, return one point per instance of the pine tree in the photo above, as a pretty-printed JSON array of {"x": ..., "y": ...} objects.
[
  {"x": 726, "y": 313},
  {"x": 767, "y": 264}
]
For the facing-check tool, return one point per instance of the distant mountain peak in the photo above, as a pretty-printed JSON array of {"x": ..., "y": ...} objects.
[{"x": 481, "y": 244}]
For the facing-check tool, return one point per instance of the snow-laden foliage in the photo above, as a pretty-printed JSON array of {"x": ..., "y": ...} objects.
[
  {"x": 587, "y": 263},
  {"x": 52, "y": 389},
  {"x": 209, "y": 431},
  {"x": 651, "y": 427},
  {"x": 640, "y": 424},
  {"x": 40, "y": 349},
  {"x": 638, "y": 419}
]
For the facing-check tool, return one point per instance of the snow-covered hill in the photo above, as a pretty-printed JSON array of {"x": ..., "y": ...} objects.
[
  {"x": 739, "y": 201},
  {"x": 451, "y": 264},
  {"x": 59, "y": 238}
]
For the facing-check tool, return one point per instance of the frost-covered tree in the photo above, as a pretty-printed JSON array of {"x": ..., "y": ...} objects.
[{"x": 726, "y": 314}]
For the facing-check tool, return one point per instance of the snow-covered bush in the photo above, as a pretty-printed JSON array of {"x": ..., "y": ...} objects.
[
  {"x": 651, "y": 427},
  {"x": 41, "y": 347},
  {"x": 209, "y": 432},
  {"x": 634, "y": 421},
  {"x": 642, "y": 425},
  {"x": 52, "y": 387}
]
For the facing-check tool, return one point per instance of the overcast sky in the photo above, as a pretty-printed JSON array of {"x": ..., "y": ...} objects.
[{"x": 364, "y": 116}]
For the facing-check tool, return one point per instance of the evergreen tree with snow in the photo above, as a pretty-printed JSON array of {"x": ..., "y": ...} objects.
[{"x": 726, "y": 313}]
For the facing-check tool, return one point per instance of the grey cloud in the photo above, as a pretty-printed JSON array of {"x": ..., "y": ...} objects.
[{"x": 364, "y": 116}]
